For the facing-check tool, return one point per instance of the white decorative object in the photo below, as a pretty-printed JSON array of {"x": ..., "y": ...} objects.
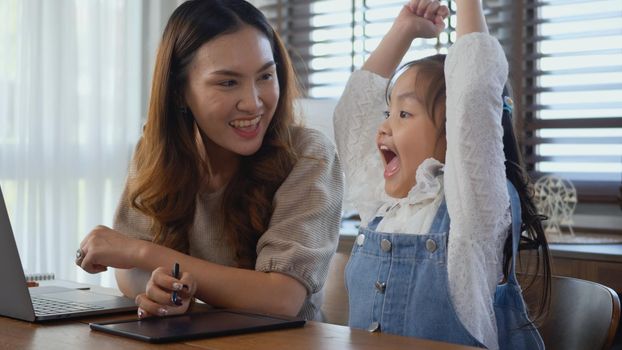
[{"x": 556, "y": 198}]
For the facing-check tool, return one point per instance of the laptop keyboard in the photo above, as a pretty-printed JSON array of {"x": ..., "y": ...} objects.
[{"x": 45, "y": 306}]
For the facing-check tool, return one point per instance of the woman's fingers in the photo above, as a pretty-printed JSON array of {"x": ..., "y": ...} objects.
[
  {"x": 158, "y": 295},
  {"x": 142, "y": 313},
  {"x": 166, "y": 295},
  {"x": 149, "y": 307},
  {"x": 167, "y": 290},
  {"x": 189, "y": 285},
  {"x": 104, "y": 247},
  {"x": 86, "y": 261},
  {"x": 161, "y": 286}
]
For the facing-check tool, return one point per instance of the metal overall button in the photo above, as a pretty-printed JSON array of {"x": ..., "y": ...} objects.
[
  {"x": 430, "y": 245},
  {"x": 374, "y": 327},
  {"x": 385, "y": 245},
  {"x": 381, "y": 286}
]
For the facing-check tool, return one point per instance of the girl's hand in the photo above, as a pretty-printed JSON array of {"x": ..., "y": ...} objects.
[
  {"x": 158, "y": 297},
  {"x": 104, "y": 247},
  {"x": 422, "y": 18}
]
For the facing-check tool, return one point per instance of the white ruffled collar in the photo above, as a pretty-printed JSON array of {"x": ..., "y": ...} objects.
[{"x": 429, "y": 183}]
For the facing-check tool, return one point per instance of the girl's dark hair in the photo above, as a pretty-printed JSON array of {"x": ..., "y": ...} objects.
[
  {"x": 431, "y": 74},
  {"x": 171, "y": 164},
  {"x": 533, "y": 237}
]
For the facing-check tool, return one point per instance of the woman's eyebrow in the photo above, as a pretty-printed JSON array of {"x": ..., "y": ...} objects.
[
  {"x": 266, "y": 66},
  {"x": 237, "y": 74}
]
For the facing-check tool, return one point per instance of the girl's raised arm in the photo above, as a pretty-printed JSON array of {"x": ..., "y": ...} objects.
[
  {"x": 470, "y": 17},
  {"x": 417, "y": 19}
]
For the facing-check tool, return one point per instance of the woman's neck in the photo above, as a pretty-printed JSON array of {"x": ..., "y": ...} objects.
[
  {"x": 221, "y": 173},
  {"x": 223, "y": 165}
]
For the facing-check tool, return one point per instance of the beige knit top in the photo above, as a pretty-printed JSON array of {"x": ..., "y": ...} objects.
[{"x": 303, "y": 231}]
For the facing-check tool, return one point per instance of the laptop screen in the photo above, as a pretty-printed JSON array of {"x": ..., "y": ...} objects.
[
  {"x": 14, "y": 294},
  {"x": 16, "y": 297}
]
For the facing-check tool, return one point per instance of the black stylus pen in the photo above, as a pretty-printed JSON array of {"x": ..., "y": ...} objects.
[{"x": 174, "y": 297}]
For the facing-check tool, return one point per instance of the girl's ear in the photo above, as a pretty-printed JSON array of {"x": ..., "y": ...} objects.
[
  {"x": 440, "y": 121},
  {"x": 440, "y": 149}
]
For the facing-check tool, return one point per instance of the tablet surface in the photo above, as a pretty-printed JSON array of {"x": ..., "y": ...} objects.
[{"x": 211, "y": 323}]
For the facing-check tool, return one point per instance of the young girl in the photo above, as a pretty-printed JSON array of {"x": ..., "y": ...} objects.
[
  {"x": 436, "y": 242},
  {"x": 223, "y": 182}
]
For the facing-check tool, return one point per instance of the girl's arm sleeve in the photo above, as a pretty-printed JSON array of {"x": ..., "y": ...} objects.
[
  {"x": 475, "y": 184},
  {"x": 475, "y": 169},
  {"x": 357, "y": 117}
]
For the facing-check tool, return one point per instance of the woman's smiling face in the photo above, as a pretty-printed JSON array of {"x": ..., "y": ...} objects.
[
  {"x": 233, "y": 91},
  {"x": 407, "y": 137}
]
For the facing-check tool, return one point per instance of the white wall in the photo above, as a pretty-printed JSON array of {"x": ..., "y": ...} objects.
[{"x": 317, "y": 114}]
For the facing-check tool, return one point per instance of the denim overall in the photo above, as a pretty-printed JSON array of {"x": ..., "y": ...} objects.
[{"x": 397, "y": 283}]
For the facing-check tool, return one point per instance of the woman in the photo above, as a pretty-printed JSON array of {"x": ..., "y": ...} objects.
[{"x": 222, "y": 181}]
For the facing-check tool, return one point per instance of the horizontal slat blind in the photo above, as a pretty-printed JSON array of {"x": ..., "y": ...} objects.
[
  {"x": 573, "y": 93},
  {"x": 329, "y": 39},
  {"x": 565, "y": 67}
]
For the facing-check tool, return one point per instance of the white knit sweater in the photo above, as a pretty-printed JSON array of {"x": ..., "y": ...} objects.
[{"x": 473, "y": 178}]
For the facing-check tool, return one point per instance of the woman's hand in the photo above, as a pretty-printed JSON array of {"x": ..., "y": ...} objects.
[
  {"x": 104, "y": 247},
  {"x": 422, "y": 18},
  {"x": 158, "y": 299}
]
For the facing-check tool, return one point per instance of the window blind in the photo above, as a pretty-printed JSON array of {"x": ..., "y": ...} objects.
[
  {"x": 572, "y": 78},
  {"x": 565, "y": 61},
  {"x": 331, "y": 38}
]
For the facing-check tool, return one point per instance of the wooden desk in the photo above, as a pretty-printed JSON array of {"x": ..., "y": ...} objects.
[{"x": 76, "y": 334}]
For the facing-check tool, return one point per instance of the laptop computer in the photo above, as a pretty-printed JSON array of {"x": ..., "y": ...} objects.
[{"x": 44, "y": 303}]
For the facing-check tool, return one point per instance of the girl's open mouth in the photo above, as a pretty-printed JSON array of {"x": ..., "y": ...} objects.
[{"x": 391, "y": 160}]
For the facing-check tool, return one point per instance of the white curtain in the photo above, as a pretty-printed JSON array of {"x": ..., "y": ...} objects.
[{"x": 74, "y": 80}]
